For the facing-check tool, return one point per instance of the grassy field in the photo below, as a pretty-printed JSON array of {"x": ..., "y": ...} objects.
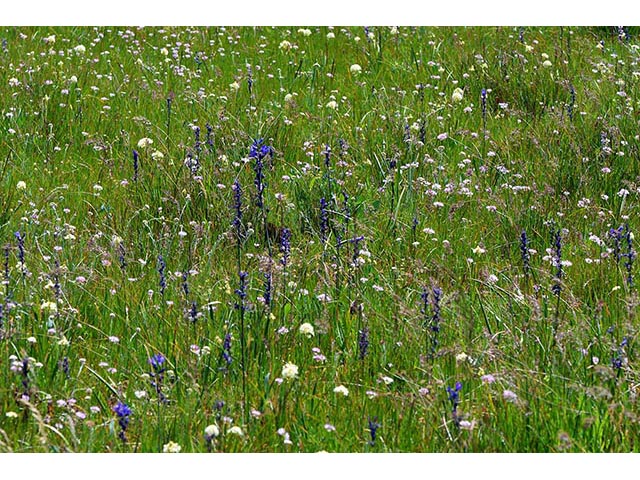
[{"x": 319, "y": 239}]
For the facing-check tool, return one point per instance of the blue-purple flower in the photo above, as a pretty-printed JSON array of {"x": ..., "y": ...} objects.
[
  {"x": 373, "y": 429},
  {"x": 123, "y": 412},
  {"x": 454, "y": 396},
  {"x": 157, "y": 361}
]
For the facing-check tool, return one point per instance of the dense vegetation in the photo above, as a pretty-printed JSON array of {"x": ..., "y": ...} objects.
[{"x": 303, "y": 239}]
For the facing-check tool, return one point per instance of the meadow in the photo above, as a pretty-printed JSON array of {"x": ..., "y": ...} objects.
[{"x": 362, "y": 239}]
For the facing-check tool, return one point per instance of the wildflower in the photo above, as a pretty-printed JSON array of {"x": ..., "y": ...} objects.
[
  {"x": 371, "y": 394},
  {"x": 454, "y": 398},
  {"x": 467, "y": 425},
  {"x": 630, "y": 254},
  {"x": 144, "y": 142},
  {"x": 156, "y": 361},
  {"x": 235, "y": 430},
  {"x": 332, "y": 104},
  {"x": 355, "y": 69},
  {"x": 457, "y": 95},
  {"x": 304, "y": 31},
  {"x": 64, "y": 364},
  {"x": 285, "y": 45},
  {"x": 524, "y": 252},
  {"x": 11, "y": 415},
  {"x": 341, "y": 389},
  {"x": 289, "y": 371},
  {"x": 20, "y": 237},
  {"x": 237, "y": 205},
  {"x": 21, "y": 185},
  {"x": 616, "y": 235},
  {"x": 235, "y": 86},
  {"x": 373, "y": 429},
  {"x": 479, "y": 250},
  {"x": 572, "y": 104},
  {"x": 157, "y": 375},
  {"x": 123, "y": 413},
  {"x": 386, "y": 380},
  {"x": 307, "y": 329},
  {"x": 259, "y": 151},
  {"x": 488, "y": 379},
  {"x": 266, "y": 297},
  {"x": 509, "y": 396},
  {"x": 51, "y": 306},
  {"x": 171, "y": 447},
  {"x": 23, "y": 368},
  {"x": 285, "y": 245},
  {"x": 135, "y": 165},
  {"x": 461, "y": 357},
  {"x": 51, "y": 39},
  {"x": 363, "y": 342},
  {"x": 157, "y": 155},
  {"x": 331, "y": 35},
  {"x": 547, "y": 64},
  {"x": 317, "y": 355},
  {"x": 433, "y": 323},
  {"x": 283, "y": 433},
  {"x": 80, "y": 49}
]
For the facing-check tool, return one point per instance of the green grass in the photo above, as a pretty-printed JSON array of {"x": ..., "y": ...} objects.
[{"x": 435, "y": 212}]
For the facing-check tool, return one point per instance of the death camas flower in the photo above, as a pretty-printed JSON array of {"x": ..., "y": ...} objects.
[
  {"x": 171, "y": 447},
  {"x": 211, "y": 432},
  {"x": 355, "y": 69},
  {"x": 457, "y": 95},
  {"x": 289, "y": 371},
  {"x": 144, "y": 142},
  {"x": 236, "y": 431},
  {"x": 341, "y": 389},
  {"x": 307, "y": 330}
]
